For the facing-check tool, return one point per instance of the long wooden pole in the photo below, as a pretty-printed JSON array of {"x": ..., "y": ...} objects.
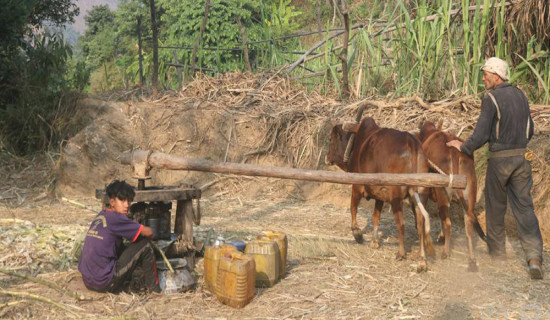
[{"x": 166, "y": 161}]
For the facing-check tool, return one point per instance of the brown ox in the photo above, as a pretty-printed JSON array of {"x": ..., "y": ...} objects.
[
  {"x": 448, "y": 160},
  {"x": 377, "y": 150}
]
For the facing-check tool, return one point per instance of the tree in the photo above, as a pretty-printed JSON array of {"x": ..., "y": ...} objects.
[
  {"x": 98, "y": 43},
  {"x": 32, "y": 68}
]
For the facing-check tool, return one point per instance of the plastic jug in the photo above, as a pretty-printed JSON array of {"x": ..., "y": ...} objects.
[
  {"x": 282, "y": 242},
  {"x": 267, "y": 258},
  {"x": 212, "y": 257},
  {"x": 235, "y": 279}
]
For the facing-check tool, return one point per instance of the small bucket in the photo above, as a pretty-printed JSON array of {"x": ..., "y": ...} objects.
[{"x": 180, "y": 280}]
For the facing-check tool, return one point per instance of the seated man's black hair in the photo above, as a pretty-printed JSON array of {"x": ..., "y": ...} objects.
[{"x": 121, "y": 190}]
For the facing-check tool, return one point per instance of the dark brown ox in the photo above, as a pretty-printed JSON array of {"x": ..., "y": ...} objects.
[
  {"x": 383, "y": 150},
  {"x": 446, "y": 160}
]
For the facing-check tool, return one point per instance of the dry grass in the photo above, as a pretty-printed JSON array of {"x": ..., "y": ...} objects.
[
  {"x": 529, "y": 18},
  {"x": 329, "y": 275}
]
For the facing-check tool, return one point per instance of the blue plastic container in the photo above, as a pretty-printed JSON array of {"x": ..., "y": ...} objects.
[{"x": 240, "y": 245}]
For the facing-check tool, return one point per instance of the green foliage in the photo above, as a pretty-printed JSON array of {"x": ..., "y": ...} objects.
[
  {"x": 58, "y": 12},
  {"x": 79, "y": 75},
  {"x": 283, "y": 16},
  {"x": 97, "y": 43},
  {"x": 31, "y": 119},
  {"x": 13, "y": 20},
  {"x": 109, "y": 46},
  {"x": 32, "y": 70},
  {"x": 183, "y": 20}
]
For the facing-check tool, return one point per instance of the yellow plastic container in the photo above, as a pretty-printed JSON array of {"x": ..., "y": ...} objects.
[
  {"x": 212, "y": 256},
  {"x": 235, "y": 279},
  {"x": 267, "y": 258},
  {"x": 282, "y": 242}
]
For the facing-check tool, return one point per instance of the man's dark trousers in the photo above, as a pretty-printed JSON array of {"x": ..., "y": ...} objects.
[
  {"x": 510, "y": 177},
  {"x": 139, "y": 253}
]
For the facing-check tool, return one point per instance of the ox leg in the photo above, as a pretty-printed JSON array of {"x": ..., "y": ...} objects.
[
  {"x": 397, "y": 207},
  {"x": 468, "y": 207},
  {"x": 443, "y": 204},
  {"x": 375, "y": 242},
  {"x": 420, "y": 221},
  {"x": 423, "y": 194},
  {"x": 356, "y": 196}
]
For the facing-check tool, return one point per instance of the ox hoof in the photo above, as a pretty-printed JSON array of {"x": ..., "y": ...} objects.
[
  {"x": 399, "y": 257},
  {"x": 445, "y": 255},
  {"x": 472, "y": 266},
  {"x": 422, "y": 266},
  {"x": 358, "y": 235},
  {"x": 374, "y": 244}
]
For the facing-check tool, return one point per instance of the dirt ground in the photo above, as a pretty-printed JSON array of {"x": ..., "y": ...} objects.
[
  {"x": 47, "y": 203},
  {"x": 329, "y": 275}
]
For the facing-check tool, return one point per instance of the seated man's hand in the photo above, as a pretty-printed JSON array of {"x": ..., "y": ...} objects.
[
  {"x": 147, "y": 232},
  {"x": 455, "y": 144}
]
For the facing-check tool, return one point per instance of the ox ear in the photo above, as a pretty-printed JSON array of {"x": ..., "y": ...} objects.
[{"x": 352, "y": 127}]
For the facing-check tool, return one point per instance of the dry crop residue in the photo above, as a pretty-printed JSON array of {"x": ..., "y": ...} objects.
[{"x": 258, "y": 119}]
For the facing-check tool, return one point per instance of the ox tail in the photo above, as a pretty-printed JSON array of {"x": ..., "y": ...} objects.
[
  {"x": 424, "y": 212},
  {"x": 477, "y": 225},
  {"x": 479, "y": 230}
]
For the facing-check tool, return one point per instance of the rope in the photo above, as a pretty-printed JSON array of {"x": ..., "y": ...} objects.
[{"x": 434, "y": 166}]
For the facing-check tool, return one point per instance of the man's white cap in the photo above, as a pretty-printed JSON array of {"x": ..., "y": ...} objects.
[{"x": 496, "y": 66}]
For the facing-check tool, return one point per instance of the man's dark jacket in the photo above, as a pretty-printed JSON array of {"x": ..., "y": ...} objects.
[{"x": 514, "y": 115}]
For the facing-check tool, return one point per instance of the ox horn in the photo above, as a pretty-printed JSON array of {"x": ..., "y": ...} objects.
[
  {"x": 440, "y": 124},
  {"x": 358, "y": 116}
]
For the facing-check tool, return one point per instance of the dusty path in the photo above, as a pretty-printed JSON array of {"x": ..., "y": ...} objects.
[{"x": 329, "y": 275}]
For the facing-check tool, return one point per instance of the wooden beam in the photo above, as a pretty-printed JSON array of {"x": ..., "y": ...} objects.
[{"x": 166, "y": 161}]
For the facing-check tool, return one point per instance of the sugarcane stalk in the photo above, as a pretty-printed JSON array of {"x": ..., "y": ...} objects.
[
  {"x": 42, "y": 282},
  {"x": 38, "y": 298}
]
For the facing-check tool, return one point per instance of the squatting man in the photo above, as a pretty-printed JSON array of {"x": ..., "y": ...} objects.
[{"x": 106, "y": 263}]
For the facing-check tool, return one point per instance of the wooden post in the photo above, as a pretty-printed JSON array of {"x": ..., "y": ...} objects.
[
  {"x": 184, "y": 227},
  {"x": 166, "y": 161}
]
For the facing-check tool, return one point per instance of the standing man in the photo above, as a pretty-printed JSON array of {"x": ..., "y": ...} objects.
[
  {"x": 505, "y": 122},
  {"x": 106, "y": 263}
]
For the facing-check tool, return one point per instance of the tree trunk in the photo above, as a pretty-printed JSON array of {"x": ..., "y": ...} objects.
[
  {"x": 344, "y": 54},
  {"x": 198, "y": 39},
  {"x": 140, "y": 52},
  {"x": 154, "y": 28},
  {"x": 319, "y": 19},
  {"x": 245, "y": 46}
]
